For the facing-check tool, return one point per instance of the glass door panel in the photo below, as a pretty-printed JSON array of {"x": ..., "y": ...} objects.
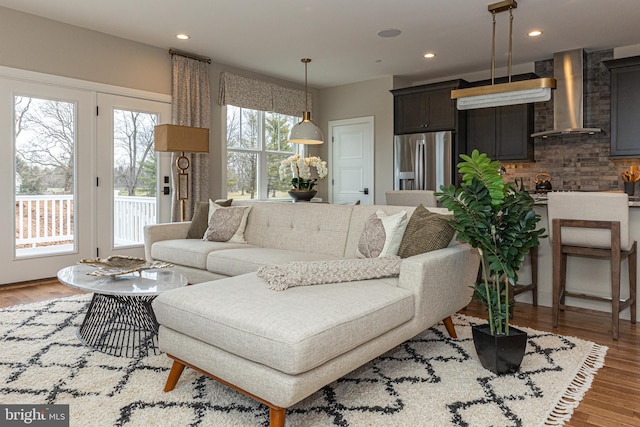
[
  {"x": 134, "y": 175},
  {"x": 129, "y": 195},
  {"x": 44, "y": 178}
]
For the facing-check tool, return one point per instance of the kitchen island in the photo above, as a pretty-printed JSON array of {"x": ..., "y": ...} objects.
[{"x": 585, "y": 275}]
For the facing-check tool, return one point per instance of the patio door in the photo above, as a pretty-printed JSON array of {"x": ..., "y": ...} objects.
[
  {"x": 46, "y": 169},
  {"x": 130, "y": 175}
]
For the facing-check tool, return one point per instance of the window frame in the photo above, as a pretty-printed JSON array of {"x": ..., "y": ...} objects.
[{"x": 261, "y": 151}]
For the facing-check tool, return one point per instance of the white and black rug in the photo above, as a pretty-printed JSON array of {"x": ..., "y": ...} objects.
[{"x": 428, "y": 381}]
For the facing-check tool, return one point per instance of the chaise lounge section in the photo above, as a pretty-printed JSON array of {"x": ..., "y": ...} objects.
[{"x": 279, "y": 347}]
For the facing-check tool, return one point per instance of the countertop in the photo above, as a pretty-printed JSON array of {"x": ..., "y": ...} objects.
[{"x": 541, "y": 200}]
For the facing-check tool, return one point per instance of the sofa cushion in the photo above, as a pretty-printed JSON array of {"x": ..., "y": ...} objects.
[
  {"x": 304, "y": 227},
  {"x": 227, "y": 224},
  {"x": 292, "y": 331},
  {"x": 247, "y": 260},
  {"x": 382, "y": 234},
  {"x": 200, "y": 219},
  {"x": 426, "y": 231},
  {"x": 189, "y": 252}
]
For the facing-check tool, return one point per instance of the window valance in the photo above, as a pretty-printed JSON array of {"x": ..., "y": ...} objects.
[{"x": 260, "y": 95}]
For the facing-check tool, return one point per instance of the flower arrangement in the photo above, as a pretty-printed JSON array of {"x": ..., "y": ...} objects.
[{"x": 300, "y": 168}]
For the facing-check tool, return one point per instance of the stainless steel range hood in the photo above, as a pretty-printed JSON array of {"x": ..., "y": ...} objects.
[{"x": 568, "y": 99}]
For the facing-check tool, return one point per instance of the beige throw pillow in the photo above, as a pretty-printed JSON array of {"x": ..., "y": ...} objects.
[
  {"x": 200, "y": 219},
  {"x": 227, "y": 224},
  {"x": 382, "y": 235},
  {"x": 426, "y": 231}
]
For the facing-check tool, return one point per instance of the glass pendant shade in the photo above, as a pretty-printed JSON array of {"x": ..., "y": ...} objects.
[
  {"x": 306, "y": 132},
  {"x": 511, "y": 93}
]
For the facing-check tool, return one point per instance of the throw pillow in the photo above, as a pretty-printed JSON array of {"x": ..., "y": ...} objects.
[
  {"x": 200, "y": 218},
  {"x": 227, "y": 224},
  {"x": 426, "y": 231},
  {"x": 382, "y": 235}
]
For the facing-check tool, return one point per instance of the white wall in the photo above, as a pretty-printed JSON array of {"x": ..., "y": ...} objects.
[
  {"x": 46, "y": 46},
  {"x": 369, "y": 98}
]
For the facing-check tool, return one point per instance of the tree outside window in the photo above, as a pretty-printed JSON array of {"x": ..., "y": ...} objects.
[{"x": 257, "y": 142}]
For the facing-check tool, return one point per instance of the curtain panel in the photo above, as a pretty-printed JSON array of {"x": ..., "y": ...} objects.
[
  {"x": 191, "y": 106},
  {"x": 260, "y": 95}
]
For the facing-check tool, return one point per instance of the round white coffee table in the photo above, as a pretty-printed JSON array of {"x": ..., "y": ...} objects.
[{"x": 120, "y": 320}]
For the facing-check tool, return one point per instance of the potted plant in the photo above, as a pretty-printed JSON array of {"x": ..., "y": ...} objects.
[
  {"x": 498, "y": 220},
  {"x": 301, "y": 182}
]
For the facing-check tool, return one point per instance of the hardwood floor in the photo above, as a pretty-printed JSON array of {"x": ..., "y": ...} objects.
[{"x": 613, "y": 400}]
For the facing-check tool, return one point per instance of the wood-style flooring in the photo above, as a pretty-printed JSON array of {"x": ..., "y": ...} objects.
[{"x": 614, "y": 397}]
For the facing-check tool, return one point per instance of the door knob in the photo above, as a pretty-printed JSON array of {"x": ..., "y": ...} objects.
[{"x": 365, "y": 191}]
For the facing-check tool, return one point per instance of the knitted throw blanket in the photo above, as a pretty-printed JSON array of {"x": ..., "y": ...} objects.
[{"x": 301, "y": 273}]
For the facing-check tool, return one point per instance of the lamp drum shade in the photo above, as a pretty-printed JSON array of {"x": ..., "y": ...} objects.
[{"x": 181, "y": 138}]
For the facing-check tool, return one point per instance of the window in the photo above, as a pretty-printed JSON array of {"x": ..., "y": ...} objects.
[{"x": 257, "y": 141}]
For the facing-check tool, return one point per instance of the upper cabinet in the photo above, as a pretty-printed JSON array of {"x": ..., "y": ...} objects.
[
  {"x": 504, "y": 133},
  {"x": 625, "y": 106},
  {"x": 425, "y": 108}
]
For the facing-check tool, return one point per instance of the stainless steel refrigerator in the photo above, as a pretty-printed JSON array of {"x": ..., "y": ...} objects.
[{"x": 422, "y": 161}]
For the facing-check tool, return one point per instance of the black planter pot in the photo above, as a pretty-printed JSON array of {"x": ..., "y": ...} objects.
[
  {"x": 302, "y": 195},
  {"x": 501, "y": 354}
]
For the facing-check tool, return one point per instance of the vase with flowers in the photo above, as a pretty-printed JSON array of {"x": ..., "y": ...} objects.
[{"x": 300, "y": 169}]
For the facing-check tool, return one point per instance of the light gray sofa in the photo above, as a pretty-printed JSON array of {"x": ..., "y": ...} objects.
[{"x": 279, "y": 347}]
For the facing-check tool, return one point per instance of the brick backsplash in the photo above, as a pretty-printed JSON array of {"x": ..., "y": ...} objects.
[{"x": 576, "y": 162}]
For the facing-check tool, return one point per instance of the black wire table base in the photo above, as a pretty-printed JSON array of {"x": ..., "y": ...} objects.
[{"x": 121, "y": 325}]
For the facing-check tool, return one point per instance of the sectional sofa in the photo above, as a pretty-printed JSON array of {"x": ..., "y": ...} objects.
[{"x": 279, "y": 347}]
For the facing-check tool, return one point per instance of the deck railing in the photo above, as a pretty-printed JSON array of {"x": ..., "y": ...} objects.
[
  {"x": 44, "y": 220},
  {"x": 130, "y": 215}
]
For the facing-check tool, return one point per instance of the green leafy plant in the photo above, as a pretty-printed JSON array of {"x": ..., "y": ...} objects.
[{"x": 498, "y": 220}]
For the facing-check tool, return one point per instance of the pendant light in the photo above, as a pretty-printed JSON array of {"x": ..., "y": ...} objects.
[
  {"x": 510, "y": 93},
  {"x": 306, "y": 132}
]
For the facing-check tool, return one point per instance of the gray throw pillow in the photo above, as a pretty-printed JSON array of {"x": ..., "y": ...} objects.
[
  {"x": 200, "y": 219},
  {"x": 372, "y": 238},
  {"x": 382, "y": 235},
  {"x": 426, "y": 231},
  {"x": 227, "y": 224}
]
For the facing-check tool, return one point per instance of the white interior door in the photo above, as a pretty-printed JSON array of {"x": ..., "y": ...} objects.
[
  {"x": 47, "y": 139},
  {"x": 130, "y": 176},
  {"x": 351, "y": 152}
]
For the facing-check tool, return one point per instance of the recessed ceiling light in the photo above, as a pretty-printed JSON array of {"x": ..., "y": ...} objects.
[
  {"x": 535, "y": 33},
  {"x": 182, "y": 36},
  {"x": 389, "y": 32},
  {"x": 429, "y": 55}
]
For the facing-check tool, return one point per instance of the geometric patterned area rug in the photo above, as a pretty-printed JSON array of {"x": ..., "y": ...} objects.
[{"x": 431, "y": 380}]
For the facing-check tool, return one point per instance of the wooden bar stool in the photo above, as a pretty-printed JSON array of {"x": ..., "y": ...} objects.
[
  {"x": 594, "y": 225},
  {"x": 533, "y": 285}
]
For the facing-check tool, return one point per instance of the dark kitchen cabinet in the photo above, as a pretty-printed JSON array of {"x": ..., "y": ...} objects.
[
  {"x": 504, "y": 133},
  {"x": 425, "y": 108},
  {"x": 625, "y": 106}
]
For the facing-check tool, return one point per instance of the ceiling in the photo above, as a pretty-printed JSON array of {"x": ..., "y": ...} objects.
[{"x": 270, "y": 37}]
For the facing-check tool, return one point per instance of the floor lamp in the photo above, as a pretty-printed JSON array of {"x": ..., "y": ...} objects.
[{"x": 181, "y": 139}]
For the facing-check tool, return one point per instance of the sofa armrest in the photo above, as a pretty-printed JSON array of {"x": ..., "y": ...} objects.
[
  {"x": 441, "y": 281},
  {"x": 167, "y": 231}
]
